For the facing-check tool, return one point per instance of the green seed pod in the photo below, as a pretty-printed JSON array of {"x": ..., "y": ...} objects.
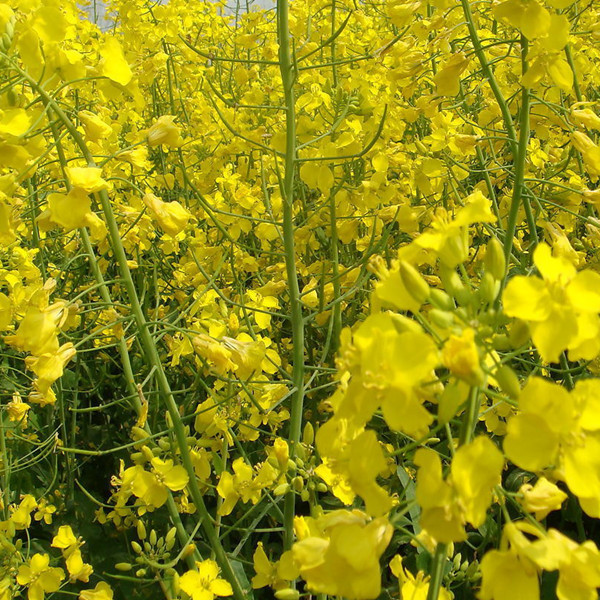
[
  {"x": 495, "y": 263},
  {"x": 508, "y": 381},
  {"x": 123, "y": 566},
  {"x": 141, "y": 530}
]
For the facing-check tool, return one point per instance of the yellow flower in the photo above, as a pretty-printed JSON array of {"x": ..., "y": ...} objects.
[
  {"x": 204, "y": 582},
  {"x": 339, "y": 555},
  {"x": 242, "y": 485},
  {"x": 21, "y": 517},
  {"x": 464, "y": 496},
  {"x": 541, "y": 498},
  {"x": 72, "y": 210},
  {"x": 39, "y": 577},
  {"x": 87, "y": 178},
  {"x": 152, "y": 486},
  {"x": 114, "y": 65},
  {"x": 560, "y": 430},
  {"x": 102, "y": 591},
  {"x": 164, "y": 132},
  {"x": 171, "y": 216},
  {"x": 274, "y": 574},
  {"x": 561, "y": 309},
  {"x": 461, "y": 356},
  {"x": 95, "y": 128}
]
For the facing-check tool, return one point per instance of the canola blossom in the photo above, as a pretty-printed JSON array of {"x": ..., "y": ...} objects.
[{"x": 300, "y": 302}]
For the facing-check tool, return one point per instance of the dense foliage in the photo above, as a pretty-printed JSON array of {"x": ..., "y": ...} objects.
[{"x": 300, "y": 302}]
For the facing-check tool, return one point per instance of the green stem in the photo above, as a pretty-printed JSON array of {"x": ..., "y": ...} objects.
[
  {"x": 288, "y": 76},
  {"x": 520, "y": 160},
  {"x": 437, "y": 571}
]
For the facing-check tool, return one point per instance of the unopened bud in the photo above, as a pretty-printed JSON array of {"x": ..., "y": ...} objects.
[
  {"x": 136, "y": 547},
  {"x": 123, "y": 566},
  {"x": 494, "y": 261},
  {"x": 508, "y": 381},
  {"x": 141, "y": 530},
  {"x": 308, "y": 436},
  {"x": 287, "y": 594},
  {"x": 414, "y": 283},
  {"x": 441, "y": 300},
  {"x": 489, "y": 288}
]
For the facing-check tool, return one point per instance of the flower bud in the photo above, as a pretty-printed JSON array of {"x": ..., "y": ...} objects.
[
  {"x": 508, "y": 381},
  {"x": 494, "y": 261},
  {"x": 308, "y": 435},
  {"x": 287, "y": 594},
  {"x": 141, "y": 530},
  {"x": 414, "y": 283}
]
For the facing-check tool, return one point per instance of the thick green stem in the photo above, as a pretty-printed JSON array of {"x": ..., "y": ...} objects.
[
  {"x": 437, "y": 571},
  {"x": 287, "y": 71}
]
